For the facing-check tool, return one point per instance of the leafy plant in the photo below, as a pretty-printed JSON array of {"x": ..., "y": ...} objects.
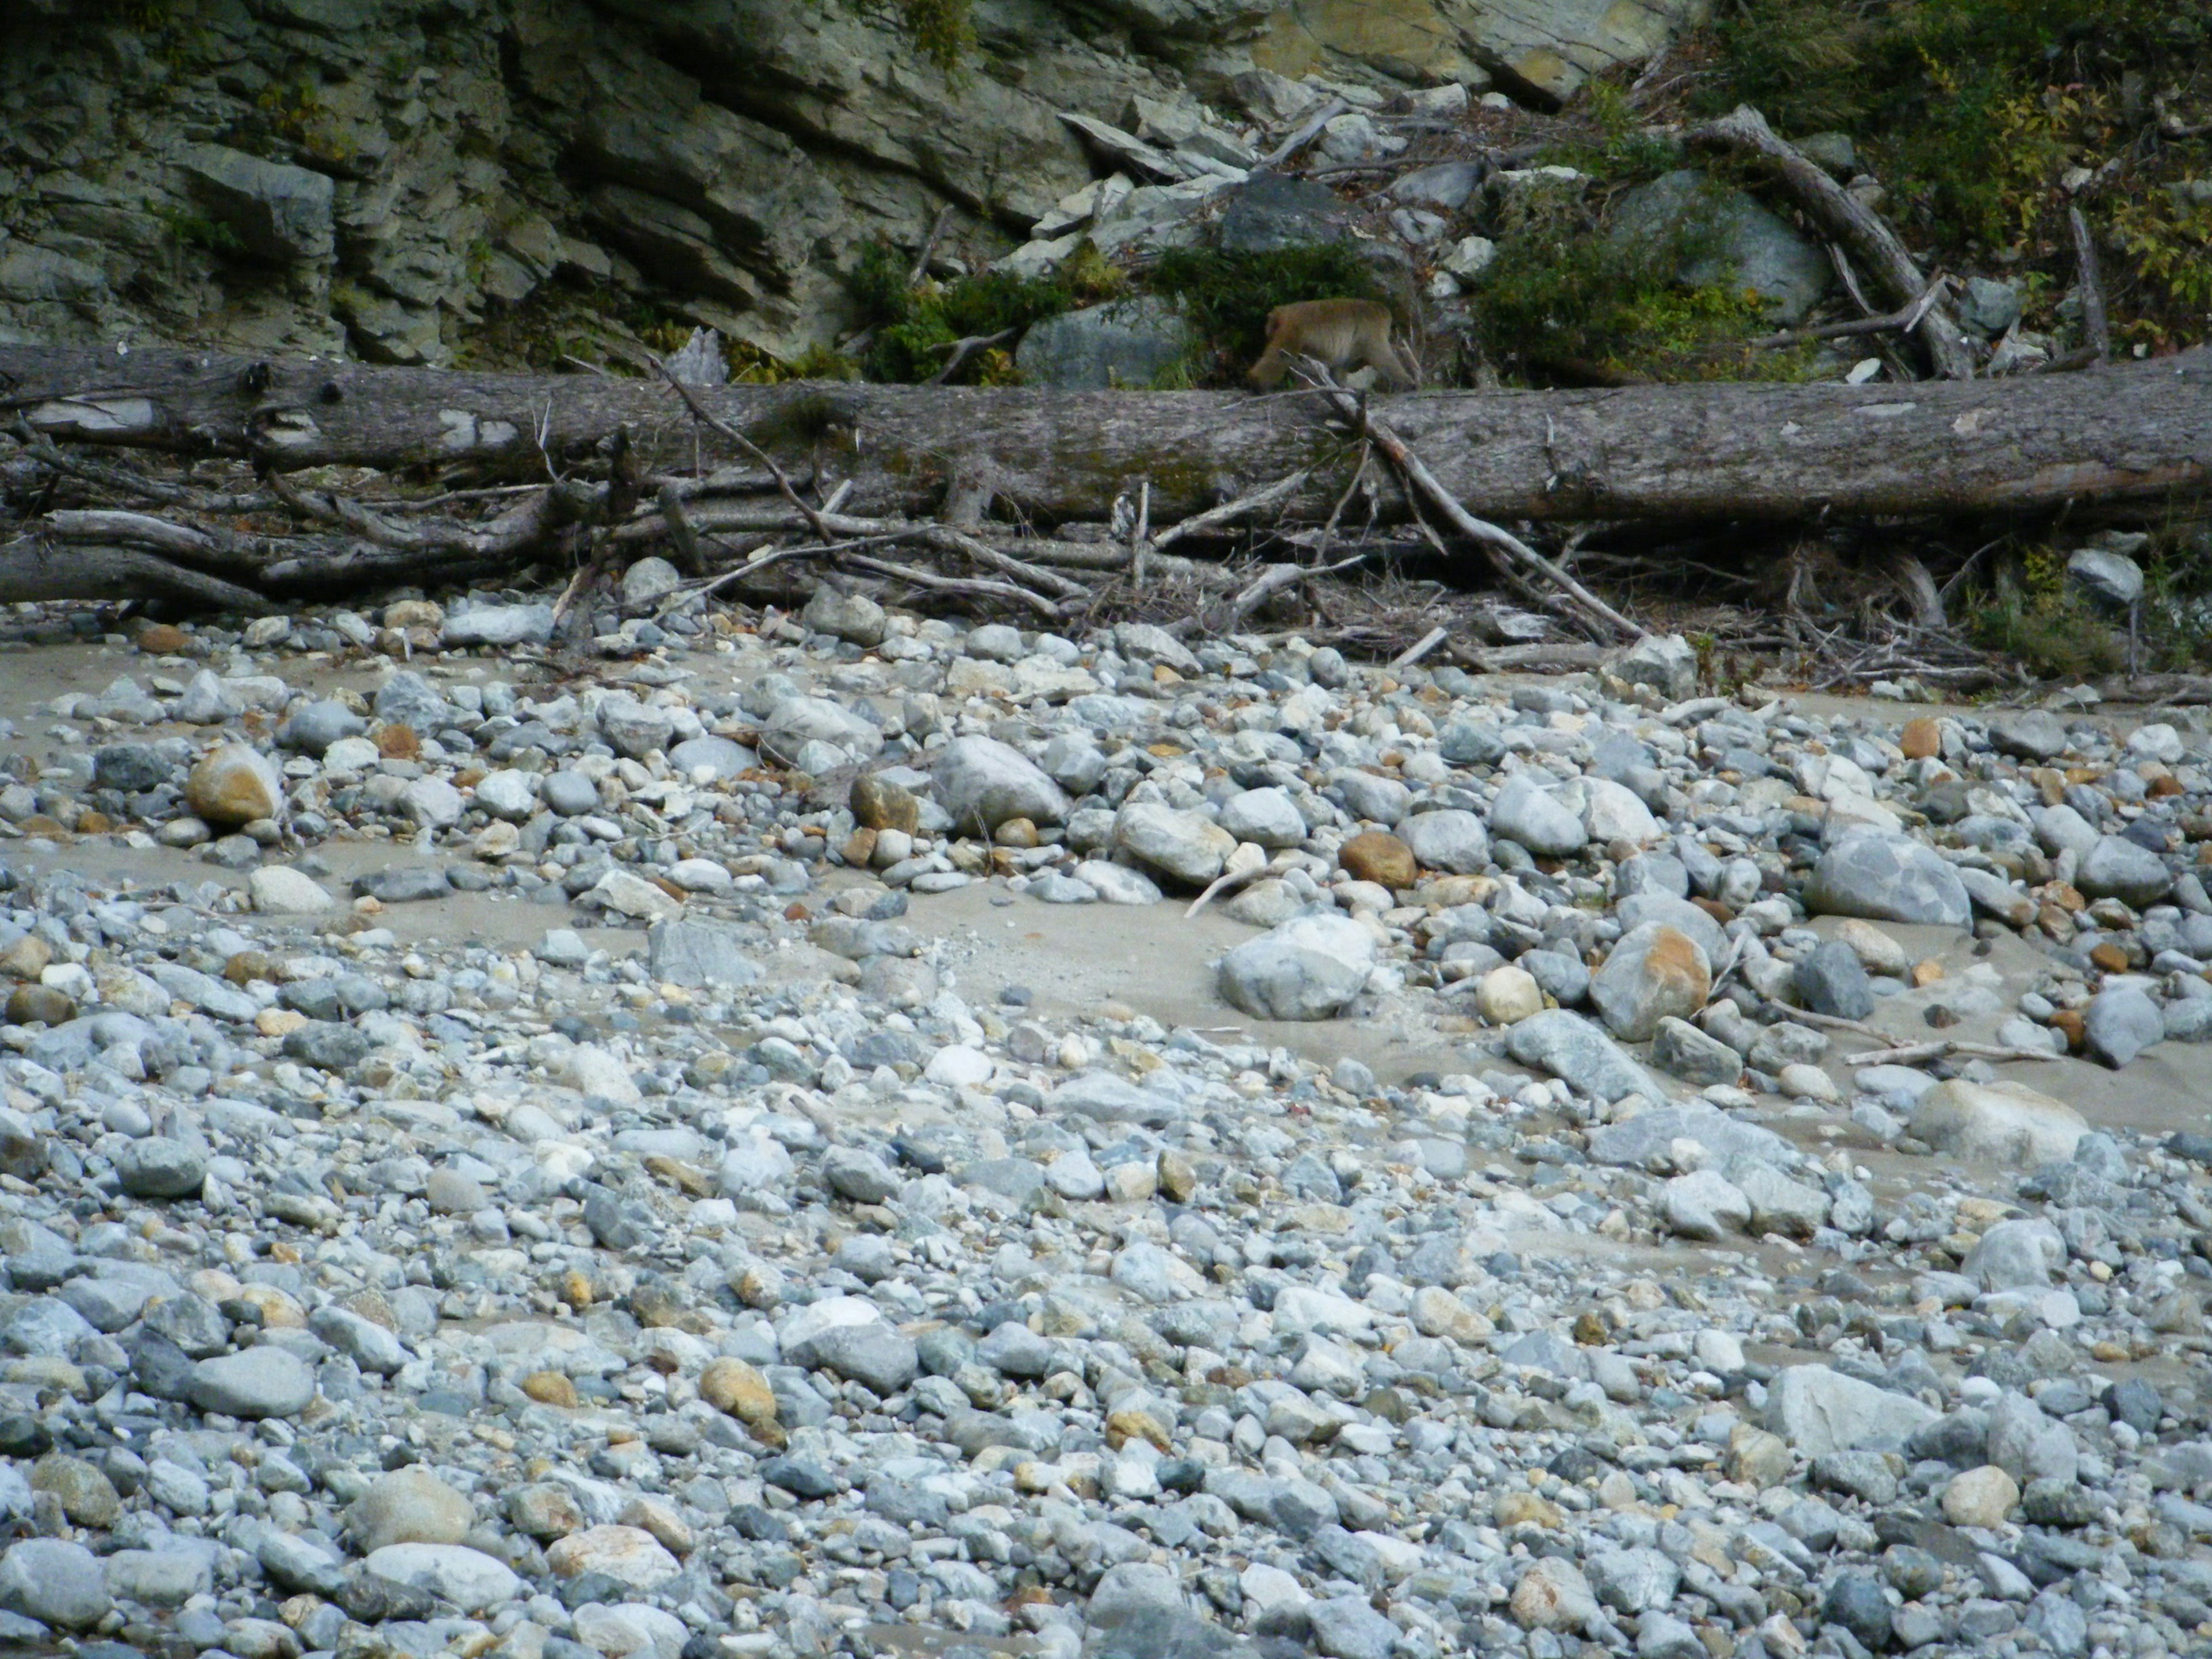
[
  {"x": 1564, "y": 296},
  {"x": 917, "y": 324},
  {"x": 942, "y": 30},
  {"x": 1226, "y": 297},
  {"x": 2170, "y": 237},
  {"x": 197, "y": 230}
]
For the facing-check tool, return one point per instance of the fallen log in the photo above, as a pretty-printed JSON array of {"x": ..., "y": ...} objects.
[{"x": 2139, "y": 433}]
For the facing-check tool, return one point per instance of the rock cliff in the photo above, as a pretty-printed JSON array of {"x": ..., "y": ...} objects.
[{"x": 406, "y": 180}]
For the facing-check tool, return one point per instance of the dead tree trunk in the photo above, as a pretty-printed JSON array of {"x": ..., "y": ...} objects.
[
  {"x": 880, "y": 462},
  {"x": 2141, "y": 433}
]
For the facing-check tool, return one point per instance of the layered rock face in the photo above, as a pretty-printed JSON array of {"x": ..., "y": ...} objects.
[{"x": 383, "y": 179}]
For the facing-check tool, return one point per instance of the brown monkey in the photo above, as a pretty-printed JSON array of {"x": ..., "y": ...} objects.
[{"x": 1342, "y": 333}]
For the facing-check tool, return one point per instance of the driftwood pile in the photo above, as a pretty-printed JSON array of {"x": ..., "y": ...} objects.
[{"x": 257, "y": 484}]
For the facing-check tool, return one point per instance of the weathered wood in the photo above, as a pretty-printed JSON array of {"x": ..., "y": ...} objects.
[
  {"x": 1857, "y": 226},
  {"x": 2138, "y": 433}
]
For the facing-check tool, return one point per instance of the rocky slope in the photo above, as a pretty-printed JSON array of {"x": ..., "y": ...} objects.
[
  {"x": 388, "y": 178},
  {"x": 500, "y": 1164}
]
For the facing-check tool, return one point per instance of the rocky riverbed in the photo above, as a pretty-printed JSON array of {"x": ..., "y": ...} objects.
[{"x": 737, "y": 1146}]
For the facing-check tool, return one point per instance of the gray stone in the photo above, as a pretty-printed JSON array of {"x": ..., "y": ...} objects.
[
  {"x": 2117, "y": 867},
  {"x": 1703, "y": 1205},
  {"x": 1526, "y": 812},
  {"x": 253, "y": 1383},
  {"x": 1632, "y": 1581},
  {"x": 1651, "y": 973},
  {"x": 1444, "y": 186},
  {"x": 1778, "y": 1205},
  {"x": 647, "y": 582},
  {"x": 278, "y": 213},
  {"x": 1271, "y": 212},
  {"x": 1130, "y": 1590},
  {"x": 1866, "y": 1475},
  {"x": 206, "y": 700},
  {"x": 571, "y": 794},
  {"x": 408, "y": 1506},
  {"x": 1346, "y": 1627},
  {"x": 1831, "y": 980},
  {"x": 982, "y": 783},
  {"x": 699, "y": 953},
  {"x": 167, "y": 1578},
  {"x": 1855, "y": 1602},
  {"x": 367, "y": 1344},
  {"x": 2113, "y": 578},
  {"x": 1267, "y": 818},
  {"x": 407, "y": 699},
  {"x": 1186, "y": 845},
  {"x": 1989, "y": 307},
  {"x": 2032, "y": 734},
  {"x": 132, "y": 768},
  {"x": 1818, "y": 1410},
  {"x": 859, "y": 1175},
  {"x": 1667, "y": 663},
  {"x": 498, "y": 625},
  {"x": 1452, "y": 840},
  {"x": 157, "y": 1167},
  {"x": 2016, "y": 1255},
  {"x": 2119, "y": 1023},
  {"x": 1127, "y": 343},
  {"x": 1681, "y": 1050},
  {"x": 54, "y": 1582},
  {"x": 1751, "y": 247},
  {"x": 468, "y": 1578},
  {"x": 313, "y": 727},
  {"x": 406, "y": 883},
  {"x": 1571, "y": 1047},
  {"x": 796, "y": 722},
  {"x": 636, "y": 729},
  {"x": 2004, "y": 1122},
  {"x": 719, "y": 757},
  {"x": 1309, "y": 968},
  {"x": 875, "y": 1355},
  {"x": 1150, "y": 643},
  {"x": 1471, "y": 743},
  {"x": 327, "y": 1044},
  {"x": 851, "y": 617},
  {"x": 1887, "y": 878}
]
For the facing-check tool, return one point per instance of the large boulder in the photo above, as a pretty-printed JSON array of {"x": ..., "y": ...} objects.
[
  {"x": 1307, "y": 968},
  {"x": 1887, "y": 878},
  {"x": 272, "y": 211},
  {"x": 1652, "y": 973},
  {"x": 1999, "y": 1122},
  {"x": 1818, "y": 1411},
  {"x": 1127, "y": 343},
  {"x": 1735, "y": 241},
  {"x": 982, "y": 783}
]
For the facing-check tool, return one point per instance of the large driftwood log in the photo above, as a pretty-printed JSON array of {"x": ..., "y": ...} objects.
[{"x": 2139, "y": 433}]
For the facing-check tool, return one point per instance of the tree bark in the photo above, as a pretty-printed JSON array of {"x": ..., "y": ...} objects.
[{"x": 2139, "y": 433}]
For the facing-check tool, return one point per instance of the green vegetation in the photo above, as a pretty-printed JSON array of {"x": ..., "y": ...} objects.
[
  {"x": 1227, "y": 296},
  {"x": 197, "y": 230},
  {"x": 917, "y": 325},
  {"x": 1972, "y": 112},
  {"x": 942, "y": 31},
  {"x": 2034, "y": 616},
  {"x": 1564, "y": 297}
]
